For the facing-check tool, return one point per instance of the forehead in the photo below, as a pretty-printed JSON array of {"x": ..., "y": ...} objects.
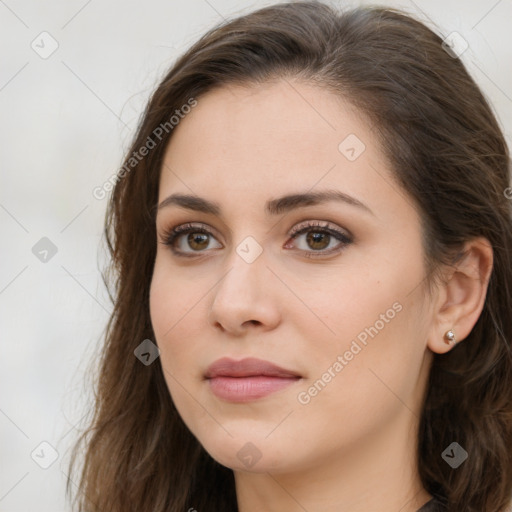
[
  {"x": 274, "y": 117},
  {"x": 270, "y": 127}
]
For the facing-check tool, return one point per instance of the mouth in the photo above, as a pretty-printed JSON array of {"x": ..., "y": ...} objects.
[{"x": 248, "y": 379}]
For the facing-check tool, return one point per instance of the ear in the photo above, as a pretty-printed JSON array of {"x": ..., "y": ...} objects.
[{"x": 461, "y": 296}]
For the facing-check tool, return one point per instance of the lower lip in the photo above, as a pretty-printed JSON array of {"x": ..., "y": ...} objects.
[{"x": 245, "y": 389}]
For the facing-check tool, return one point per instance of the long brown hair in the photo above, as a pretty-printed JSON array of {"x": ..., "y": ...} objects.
[{"x": 448, "y": 153}]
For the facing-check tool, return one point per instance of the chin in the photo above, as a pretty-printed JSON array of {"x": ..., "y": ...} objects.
[{"x": 242, "y": 452}]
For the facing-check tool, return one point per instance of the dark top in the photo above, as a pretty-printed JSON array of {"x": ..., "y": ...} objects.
[{"x": 432, "y": 506}]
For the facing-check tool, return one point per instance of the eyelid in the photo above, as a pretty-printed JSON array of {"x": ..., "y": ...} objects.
[
  {"x": 322, "y": 225},
  {"x": 170, "y": 235},
  {"x": 343, "y": 238}
]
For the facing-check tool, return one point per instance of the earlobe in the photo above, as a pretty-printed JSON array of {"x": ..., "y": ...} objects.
[
  {"x": 462, "y": 296},
  {"x": 449, "y": 337}
]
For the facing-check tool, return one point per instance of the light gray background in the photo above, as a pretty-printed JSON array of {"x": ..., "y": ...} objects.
[{"x": 65, "y": 123}]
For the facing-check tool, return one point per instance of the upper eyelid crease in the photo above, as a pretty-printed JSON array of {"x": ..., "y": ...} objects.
[{"x": 272, "y": 207}]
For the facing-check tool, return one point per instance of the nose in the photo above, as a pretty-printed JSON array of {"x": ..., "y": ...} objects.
[{"x": 245, "y": 296}]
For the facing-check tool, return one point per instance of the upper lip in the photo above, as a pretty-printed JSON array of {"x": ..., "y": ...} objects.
[{"x": 248, "y": 367}]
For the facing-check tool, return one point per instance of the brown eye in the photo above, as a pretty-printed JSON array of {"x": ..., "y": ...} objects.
[
  {"x": 318, "y": 240},
  {"x": 197, "y": 241}
]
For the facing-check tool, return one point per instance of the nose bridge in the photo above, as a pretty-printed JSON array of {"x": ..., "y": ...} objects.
[
  {"x": 241, "y": 297},
  {"x": 245, "y": 268}
]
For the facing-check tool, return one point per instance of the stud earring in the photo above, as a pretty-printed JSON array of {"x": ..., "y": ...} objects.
[{"x": 449, "y": 338}]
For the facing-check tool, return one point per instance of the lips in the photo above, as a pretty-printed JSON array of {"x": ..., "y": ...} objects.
[
  {"x": 248, "y": 367},
  {"x": 248, "y": 379}
]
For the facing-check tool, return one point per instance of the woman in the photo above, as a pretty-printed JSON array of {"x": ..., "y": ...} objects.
[{"x": 311, "y": 241}]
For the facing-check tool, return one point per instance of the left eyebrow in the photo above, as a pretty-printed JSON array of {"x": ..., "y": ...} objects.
[{"x": 272, "y": 207}]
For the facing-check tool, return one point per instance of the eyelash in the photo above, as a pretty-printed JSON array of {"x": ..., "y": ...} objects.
[{"x": 170, "y": 236}]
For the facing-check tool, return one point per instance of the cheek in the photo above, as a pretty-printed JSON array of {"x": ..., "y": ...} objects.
[
  {"x": 171, "y": 311},
  {"x": 343, "y": 306},
  {"x": 162, "y": 302},
  {"x": 372, "y": 385},
  {"x": 377, "y": 347},
  {"x": 178, "y": 311},
  {"x": 171, "y": 297},
  {"x": 171, "y": 306}
]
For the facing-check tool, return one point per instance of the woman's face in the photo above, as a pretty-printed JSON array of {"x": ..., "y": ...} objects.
[{"x": 340, "y": 306}]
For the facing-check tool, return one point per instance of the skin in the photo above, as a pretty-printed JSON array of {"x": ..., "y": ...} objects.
[{"x": 351, "y": 448}]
